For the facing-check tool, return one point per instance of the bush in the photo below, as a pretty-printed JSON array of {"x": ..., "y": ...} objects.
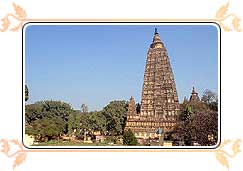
[{"x": 129, "y": 138}]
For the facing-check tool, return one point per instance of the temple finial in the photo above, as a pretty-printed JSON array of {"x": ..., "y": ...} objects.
[
  {"x": 155, "y": 31},
  {"x": 156, "y": 40}
]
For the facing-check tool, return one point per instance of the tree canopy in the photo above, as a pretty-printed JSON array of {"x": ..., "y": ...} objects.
[
  {"x": 185, "y": 130},
  {"x": 26, "y": 93},
  {"x": 210, "y": 99},
  {"x": 129, "y": 138},
  {"x": 198, "y": 122},
  {"x": 115, "y": 114},
  {"x": 46, "y": 127},
  {"x": 47, "y": 118},
  {"x": 110, "y": 120},
  {"x": 48, "y": 109}
]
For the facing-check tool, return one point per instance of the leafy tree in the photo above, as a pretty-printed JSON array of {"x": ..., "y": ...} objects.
[
  {"x": 84, "y": 122},
  {"x": 74, "y": 123},
  {"x": 129, "y": 138},
  {"x": 56, "y": 108},
  {"x": 48, "y": 109},
  {"x": 78, "y": 122},
  {"x": 206, "y": 127},
  {"x": 97, "y": 121},
  {"x": 26, "y": 93},
  {"x": 46, "y": 127},
  {"x": 47, "y": 118},
  {"x": 71, "y": 123},
  {"x": 210, "y": 99},
  {"x": 92, "y": 121},
  {"x": 185, "y": 130},
  {"x": 33, "y": 112},
  {"x": 185, "y": 116},
  {"x": 198, "y": 122},
  {"x": 209, "y": 96},
  {"x": 115, "y": 114}
]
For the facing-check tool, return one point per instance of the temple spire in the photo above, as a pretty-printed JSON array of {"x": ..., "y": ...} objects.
[
  {"x": 156, "y": 40},
  {"x": 131, "y": 107},
  {"x": 156, "y": 31},
  {"x": 159, "y": 103},
  {"x": 193, "y": 90},
  {"x": 159, "y": 100},
  {"x": 194, "y": 96}
]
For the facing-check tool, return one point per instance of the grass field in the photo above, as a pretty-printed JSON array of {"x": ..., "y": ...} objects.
[{"x": 71, "y": 143}]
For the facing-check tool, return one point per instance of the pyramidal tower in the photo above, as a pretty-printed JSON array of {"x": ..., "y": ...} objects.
[
  {"x": 159, "y": 103},
  {"x": 159, "y": 95}
]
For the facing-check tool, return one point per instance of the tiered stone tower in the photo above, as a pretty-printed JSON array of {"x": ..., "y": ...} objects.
[
  {"x": 159, "y": 104},
  {"x": 159, "y": 96},
  {"x": 194, "y": 96},
  {"x": 131, "y": 107}
]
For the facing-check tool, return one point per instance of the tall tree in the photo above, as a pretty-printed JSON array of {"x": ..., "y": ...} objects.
[
  {"x": 185, "y": 130},
  {"x": 84, "y": 108},
  {"x": 198, "y": 122},
  {"x": 47, "y": 128},
  {"x": 97, "y": 121},
  {"x": 77, "y": 122},
  {"x": 48, "y": 112},
  {"x": 115, "y": 114},
  {"x": 206, "y": 127},
  {"x": 129, "y": 138},
  {"x": 71, "y": 123},
  {"x": 48, "y": 109},
  {"x": 33, "y": 112},
  {"x": 211, "y": 99},
  {"x": 26, "y": 93}
]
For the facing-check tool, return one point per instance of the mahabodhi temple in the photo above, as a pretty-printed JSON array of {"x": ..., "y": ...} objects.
[{"x": 159, "y": 104}]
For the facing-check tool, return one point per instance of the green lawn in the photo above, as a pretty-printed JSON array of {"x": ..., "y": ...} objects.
[{"x": 71, "y": 143}]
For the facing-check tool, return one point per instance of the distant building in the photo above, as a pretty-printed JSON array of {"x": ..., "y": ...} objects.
[
  {"x": 194, "y": 97},
  {"x": 194, "y": 102}
]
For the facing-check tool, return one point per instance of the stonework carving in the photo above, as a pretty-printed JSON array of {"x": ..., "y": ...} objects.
[{"x": 159, "y": 104}]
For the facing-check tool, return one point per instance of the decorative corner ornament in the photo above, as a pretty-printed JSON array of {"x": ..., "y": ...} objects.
[
  {"x": 19, "y": 16},
  {"x": 223, "y": 18},
  {"x": 223, "y": 156},
  {"x": 12, "y": 150}
]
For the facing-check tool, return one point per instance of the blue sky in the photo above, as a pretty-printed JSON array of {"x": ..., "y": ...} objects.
[{"x": 94, "y": 65}]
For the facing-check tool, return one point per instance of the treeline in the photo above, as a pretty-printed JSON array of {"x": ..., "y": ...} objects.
[
  {"x": 197, "y": 123},
  {"x": 52, "y": 119}
]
